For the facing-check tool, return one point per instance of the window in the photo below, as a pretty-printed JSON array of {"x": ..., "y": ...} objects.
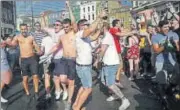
[
  {"x": 84, "y": 17},
  {"x": 92, "y": 8},
  {"x": 84, "y": 10},
  {"x": 88, "y": 9},
  {"x": 89, "y": 17},
  {"x": 177, "y": 9},
  {"x": 92, "y": 16}
]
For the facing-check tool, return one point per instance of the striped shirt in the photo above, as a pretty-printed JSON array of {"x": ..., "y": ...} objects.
[{"x": 38, "y": 36}]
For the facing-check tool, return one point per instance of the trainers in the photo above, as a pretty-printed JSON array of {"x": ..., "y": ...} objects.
[
  {"x": 48, "y": 96},
  {"x": 111, "y": 98},
  {"x": 58, "y": 94},
  {"x": 68, "y": 106},
  {"x": 3, "y": 100},
  {"x": 131, "y": 79},
  {"x": 65, "y": 95},
  {"x": 123, "y": 73},
  {"x": 125, "y": 104},
  {"x": 119, "y": 85}
]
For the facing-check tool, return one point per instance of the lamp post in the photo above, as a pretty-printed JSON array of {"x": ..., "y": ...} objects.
[{"x": 32, "y": 14}]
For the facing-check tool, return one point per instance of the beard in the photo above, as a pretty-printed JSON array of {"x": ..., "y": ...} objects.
[{"x": 25, "y": 34}]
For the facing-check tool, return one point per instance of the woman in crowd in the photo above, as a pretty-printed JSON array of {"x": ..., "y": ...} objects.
[
  {"x": 133, "y": 55},
  {"x": 6, "y": 73}
]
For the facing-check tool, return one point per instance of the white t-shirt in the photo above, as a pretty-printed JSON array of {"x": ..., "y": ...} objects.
[
  {"x": 84, "y": 50},
  {"x": 55, "y": 38},
  {"x": 47, "y": 43},
  {"x": 111, "y": 56}
]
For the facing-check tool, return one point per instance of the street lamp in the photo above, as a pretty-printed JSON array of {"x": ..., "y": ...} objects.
[{"x": 32, "y": 14}]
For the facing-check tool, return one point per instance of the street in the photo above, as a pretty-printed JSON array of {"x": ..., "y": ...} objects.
[{"x": 136, "y": 92}]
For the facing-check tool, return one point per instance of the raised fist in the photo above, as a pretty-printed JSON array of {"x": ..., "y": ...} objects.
[
  {"x": 170, "y": 7},
  {"x": 67, "y": 3},
  {"x": 43, "y": 14},
  {"x": 103, "y": 14}
]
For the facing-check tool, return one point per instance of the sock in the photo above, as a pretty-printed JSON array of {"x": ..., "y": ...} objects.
[{"x": 117, "y": 91}]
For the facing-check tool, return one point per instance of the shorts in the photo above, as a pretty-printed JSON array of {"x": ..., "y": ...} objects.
[
  {"x": 110, "y": 74},
  {"x": 5, "y": 72},
  {"x": 160, "y": 66},
  {"x": 85, "y": 75},
  {"x": 57, "y": 67},
  {"x": 48, "y": 67},
  {"x": 29, "y": 65},
  {"x": 4, "y": 67},
  {"x": 67, "y": 67}
]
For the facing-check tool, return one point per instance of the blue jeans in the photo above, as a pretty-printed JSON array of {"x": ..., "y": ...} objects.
[
  {"x": 12, "y": 60},
  {"x": 85, "y": 75},
  {"x": 164, "y": 66},
  {"x": 110, "y": 74}
]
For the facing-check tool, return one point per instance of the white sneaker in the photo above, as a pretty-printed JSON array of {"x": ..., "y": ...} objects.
[
  {"x": 3, "y": 100},
  {"x": 65, "y": 95},
  {"x": 58, "y": 94},
  {"x": 112, "y": 98},
  {"x": 125, "y": 104},
  {"x": 123, "y": 73},
  {"x": 119, "y": 85},
  {"x": 131, "y": 79},
  {"x": 48, "y": 96}
]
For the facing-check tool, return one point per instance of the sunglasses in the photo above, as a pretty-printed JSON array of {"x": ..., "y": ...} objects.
[
  {"x": 84, "y": 24},
  {"x": 57, "y": 25},
  {"x": 37, "y": 25},
  {"x": 66, "y": 27}
]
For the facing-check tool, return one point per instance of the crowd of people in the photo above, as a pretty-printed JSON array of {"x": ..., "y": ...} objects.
[{"x": 71, "y": 49}]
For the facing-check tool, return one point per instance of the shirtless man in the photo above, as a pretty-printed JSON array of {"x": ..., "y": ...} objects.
[
  {"x": 55, "y": 33},
  {"x": 68, "y": 64},
  {"x": 28, "y": 61}
]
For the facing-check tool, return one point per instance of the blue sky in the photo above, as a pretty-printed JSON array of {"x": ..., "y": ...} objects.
[{"x": 24, "y": 7}]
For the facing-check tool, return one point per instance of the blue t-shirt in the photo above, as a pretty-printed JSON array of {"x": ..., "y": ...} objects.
[{"x": 160, "y": 39}]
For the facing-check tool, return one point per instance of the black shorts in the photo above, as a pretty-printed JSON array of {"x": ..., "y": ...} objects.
[
  {"x": 29, "y": 66},
  {"x": 57, "y": 66},
  {"x": 48, "y": 68},
  {"x": 67, "y": 67}
]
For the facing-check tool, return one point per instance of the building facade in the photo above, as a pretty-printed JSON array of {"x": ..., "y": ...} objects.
[
  {"x": 147, "y": 7},
  {"x": 88, "y": 10},
  {"x": 118, "y": 11},
  {"x": 60, "y": 15},
  {"x": 8, "y": 17},
  {"x": 76, "y": 9}
]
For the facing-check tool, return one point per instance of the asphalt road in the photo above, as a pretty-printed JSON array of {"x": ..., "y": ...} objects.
[{"x": 137, "y": 92}]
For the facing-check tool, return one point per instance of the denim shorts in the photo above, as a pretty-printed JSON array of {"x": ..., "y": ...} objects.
[
  {"x": 164, "y": 67},
  {"x": 110, "y": 74},
  {"x": 85, "y": 75},
  {"x": 159, "y": 67}
]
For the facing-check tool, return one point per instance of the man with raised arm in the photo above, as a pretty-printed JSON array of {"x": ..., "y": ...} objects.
[
  {"x": 27, "y": 44},
  {"x": 55, "y": 33},
  {"x": 84, "y": 62},
  {"x": 68, "y": 41},
  {"x": 109, "y": 56}
]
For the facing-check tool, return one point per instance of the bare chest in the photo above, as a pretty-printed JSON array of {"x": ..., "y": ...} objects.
[
  {"x": 69, "y": 40},
  {"x": 25, "y": 41}
]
